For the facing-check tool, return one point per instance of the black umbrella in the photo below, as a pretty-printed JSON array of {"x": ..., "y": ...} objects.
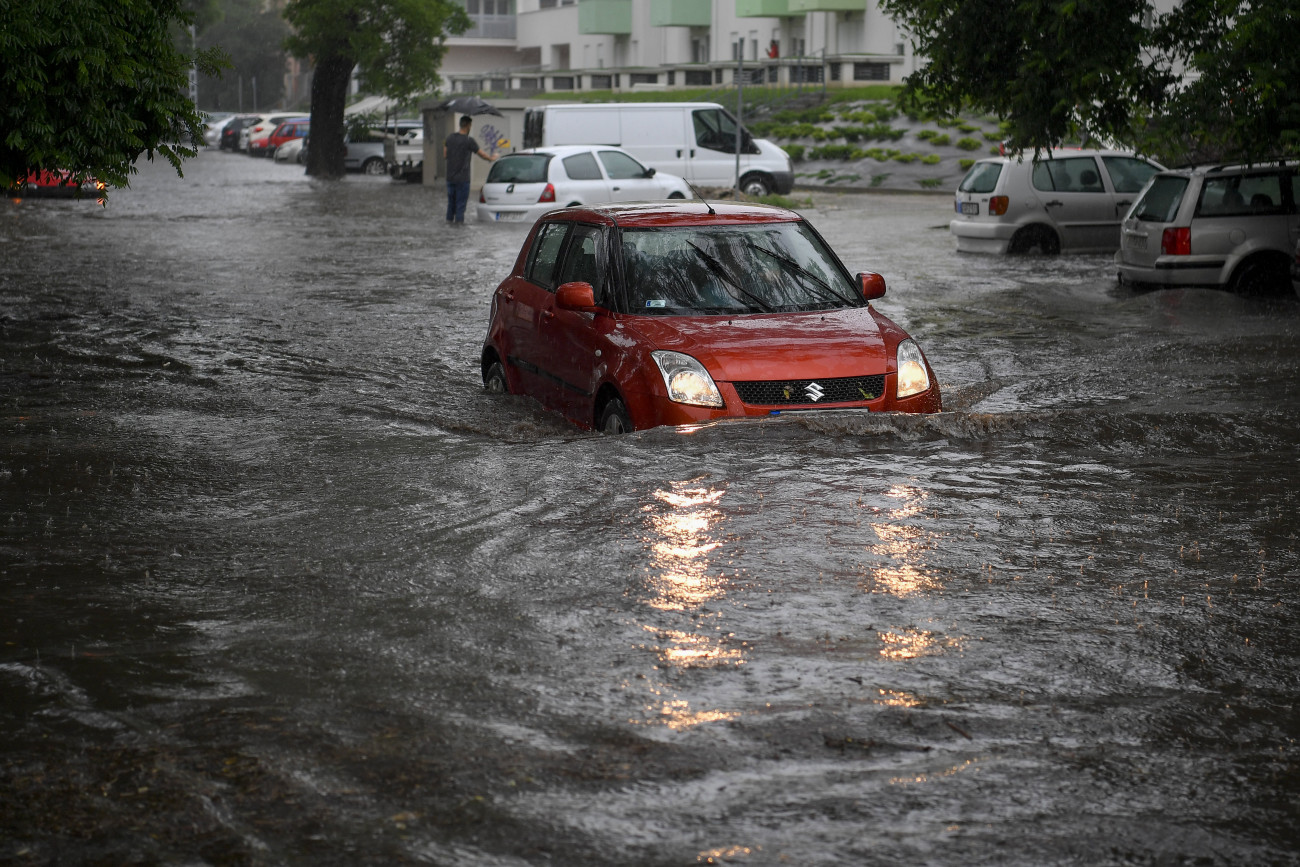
[{"x": 471, "y": 105}]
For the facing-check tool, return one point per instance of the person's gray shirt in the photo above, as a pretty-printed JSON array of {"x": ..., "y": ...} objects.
[{"x": 460, "y": 148}]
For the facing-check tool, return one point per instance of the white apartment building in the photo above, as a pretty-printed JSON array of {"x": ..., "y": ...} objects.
[{"x": 527, "y": 47}]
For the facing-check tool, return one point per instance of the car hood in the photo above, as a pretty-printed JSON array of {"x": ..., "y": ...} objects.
[{"x": 779, "y": 346}]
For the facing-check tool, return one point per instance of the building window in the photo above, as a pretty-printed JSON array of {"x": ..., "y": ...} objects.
[
  {"x": 698, "y": 78},
  {"x": 806, "y": 74},
  {"x": 672, "y": 77},
  {"x": 562, "y": 82},
  {"x": 602, "y": 82},
  {"x": 499, "y": 84},
  {"x": 871, "y": 72},
  {"x": 643, "y": 78}
]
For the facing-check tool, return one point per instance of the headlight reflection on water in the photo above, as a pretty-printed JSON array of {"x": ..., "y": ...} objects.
[
  {"x": 682, "y": 536},
  {"x": 901, "y": 546}
]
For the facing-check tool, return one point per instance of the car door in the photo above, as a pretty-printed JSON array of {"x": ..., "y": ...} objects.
[
  {"x": 529, "y": 302},
  {"x": 1077, "y": 201},
  {"x": 627, "y": 178},
  {"x": 567, "y": 336},
  {"x": 583, "y": 181}
]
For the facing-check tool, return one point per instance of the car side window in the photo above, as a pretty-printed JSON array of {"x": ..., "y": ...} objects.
[
  {"x": 546, "y": 253},
  {"x": 714, "y": 130},
  {"x": 619, "y": 165},
  {"x": 1067, "y": 175},
  {"x": 582, "y": 261},
  {"x": 1128, "y": 175},
  {"x": 1241, "y": 196},
  {"x": 582, "y": 167}
]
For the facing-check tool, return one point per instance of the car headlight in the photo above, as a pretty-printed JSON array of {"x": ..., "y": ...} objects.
[
  {"x": 912, "y": 375},
  {"x": 686, "y": 379}
]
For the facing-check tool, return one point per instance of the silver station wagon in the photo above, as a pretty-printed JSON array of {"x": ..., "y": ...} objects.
[
  {"x": 1234, "y": 227},
  {"x": 1063, "y": 200}
]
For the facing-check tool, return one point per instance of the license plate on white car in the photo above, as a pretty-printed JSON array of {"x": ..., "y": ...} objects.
[
  {"x": 505, "y": 216},
  {"x": 970, "y": 209},
  {"x": 1135, "y": 242}
]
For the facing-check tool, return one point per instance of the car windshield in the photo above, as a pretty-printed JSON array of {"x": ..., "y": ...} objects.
[
  {"x": 981, "y": 178},
  {"x": 1161, "y": 201},
  {"x": 727, "y": 270},
  {"x": 519, "y": 169}
]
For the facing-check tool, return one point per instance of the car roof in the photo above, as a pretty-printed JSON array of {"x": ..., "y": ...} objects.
[
  {"x": 1054, "y": 153},
  {"x": 1234, "y": 168},
  {"x": 680, "y": 213},
  {"x": 566, "y": 150}
]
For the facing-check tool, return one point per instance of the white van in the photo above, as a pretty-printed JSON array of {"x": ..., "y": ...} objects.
[{"x": 693, "y": 140}]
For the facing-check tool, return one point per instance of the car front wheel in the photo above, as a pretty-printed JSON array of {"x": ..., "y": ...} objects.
[
  {"x": 494, "y": 379},
  {"x": 374, "y": 166},
  {"x": 614, "y": 418},
  {"x": 755, "y": 185}
]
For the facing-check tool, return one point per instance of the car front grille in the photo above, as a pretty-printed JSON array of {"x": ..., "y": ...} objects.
[{"x": 805, "y": 391}]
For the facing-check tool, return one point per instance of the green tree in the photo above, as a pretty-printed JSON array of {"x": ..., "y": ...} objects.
[
  {"x": 1209, "y": 79},
  {"x": 253, "y": 37},
  {"x": 90, "y": 85},
  {"x": 398, "y": 45}
]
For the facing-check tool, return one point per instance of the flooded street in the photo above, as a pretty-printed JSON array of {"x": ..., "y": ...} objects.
[{"x": 280, "y": 584}]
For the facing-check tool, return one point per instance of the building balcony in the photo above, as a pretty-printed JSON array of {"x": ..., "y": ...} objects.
[
  {"x": 798, "y": 7},
  {"x": 490, "y": 27},
  {"x": 765, "y": 9},
  {"x": 606, "y": 17},
  {"x": 680, "y": 13}
]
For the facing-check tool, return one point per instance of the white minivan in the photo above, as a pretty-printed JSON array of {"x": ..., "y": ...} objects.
[{"x": 693, "y": 140}]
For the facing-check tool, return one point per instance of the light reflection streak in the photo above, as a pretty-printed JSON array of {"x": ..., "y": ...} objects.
[
  {"x": 682, "y": 538},
  {"x": 914, "y": 643},
  {"x": 901, "y": 546},
  {"x": 969, "y": 764}
]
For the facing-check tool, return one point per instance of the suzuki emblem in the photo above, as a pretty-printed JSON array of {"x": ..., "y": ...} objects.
[{"x": 814, "y": 391}]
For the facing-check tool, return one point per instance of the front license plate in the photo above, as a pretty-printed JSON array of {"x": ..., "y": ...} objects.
[
  {"x": 970, "y": 209},
  {"x": 507, "y": 216}
]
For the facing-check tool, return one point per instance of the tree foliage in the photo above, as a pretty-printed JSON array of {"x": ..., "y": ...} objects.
[
  {"x": 90, "y": 85},
  {"x": 397, "y": 44},
  {"x": 1208, "y": 79},
  {"x": 252, "y": 35}
]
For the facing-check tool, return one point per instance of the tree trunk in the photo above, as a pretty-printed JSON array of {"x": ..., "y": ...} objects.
[{"x": 329, "y": 91}]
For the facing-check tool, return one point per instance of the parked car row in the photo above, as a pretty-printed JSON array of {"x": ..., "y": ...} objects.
[
  {"x": 284, "y": 136},
  {"x": 1228, "y": 226}
]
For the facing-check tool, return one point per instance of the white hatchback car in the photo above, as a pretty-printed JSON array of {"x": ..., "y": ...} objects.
[
  {"x": 1063, "y": 200},
  {"x": 524, "y": 185}
]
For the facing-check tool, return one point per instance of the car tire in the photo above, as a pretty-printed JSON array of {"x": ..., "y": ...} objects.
[
  {"x": 755, "y": 185},
  {"x": 1035, "y": 239},
  {"x": 1261, "y": 275},
  {"x": 374, "y": 166},
  {"x": 676, "y": 196},
  {"x": 494, "y": 379},
  {"x": 614, "y": 418}
]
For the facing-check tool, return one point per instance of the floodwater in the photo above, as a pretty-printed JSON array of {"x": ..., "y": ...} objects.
[{"x": 280, "y": 584}]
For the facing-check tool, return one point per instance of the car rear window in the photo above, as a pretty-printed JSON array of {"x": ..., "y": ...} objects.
[
  {"x": 1160, "y": 204},
  {"x": 982, "y": 178},
  {"x": 519, "y": 169}
]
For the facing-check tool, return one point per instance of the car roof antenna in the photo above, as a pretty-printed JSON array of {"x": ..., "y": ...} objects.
[{"x": 700, "y": 196}]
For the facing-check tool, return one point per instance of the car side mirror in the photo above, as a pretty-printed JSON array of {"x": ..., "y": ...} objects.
[
  {"x": 576, "y": 296},
  {"x": 872, "y": 285},
  {"x": 650, "y": 172}
]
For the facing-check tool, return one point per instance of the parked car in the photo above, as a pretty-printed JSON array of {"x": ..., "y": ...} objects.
[
  {"x": 628, "y": 316},
  {"x": 1225, "y": 226},
  {"x": 404, "y": 154},
  {"x": 366, "y": 154},
  {"x": 1063, "y": 200},
  {"x": 231, "y": 133},
  {"x": 213, "y": 124},
  {"x": 292, "y": 151},
  {"x": 48, "y": 184},
  {"x": 259, "y": 134},
  {"x": 288, "y": 131},
  {"x": 522, "y": 186}
]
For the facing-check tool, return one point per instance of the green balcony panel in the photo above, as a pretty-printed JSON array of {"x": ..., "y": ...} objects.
[
  {"x": 609, "y": 17},
  {"x": 763, "y": 9},
  {"x": 801, "y": 6},
  {"x": 680, "y": 13}
]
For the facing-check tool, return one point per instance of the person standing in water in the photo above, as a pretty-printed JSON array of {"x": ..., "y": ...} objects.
[{"x": 457, "y": 150}]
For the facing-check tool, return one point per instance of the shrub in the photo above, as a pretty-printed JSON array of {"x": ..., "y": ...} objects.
[
  {"x": 941, "y": 140},
  {"x": 877, "y": 180},
  {"x": 931, "y": 159},
  {"x": 930, "y": 183},
  {"x": 968, "y": 144},
  {"x": 992, "y": 136},
  {"x": 833, "y": 152},
  {"x": 965, "y": 163},
  {"x": 877, "y": 154},
  {"x": 926, "y": 134},
  {"x": 795, "y": 151},
  {"x": 907, "y": 158},
  {"x": 995, "y": 151},
  {"x": 967, "y": 127}
]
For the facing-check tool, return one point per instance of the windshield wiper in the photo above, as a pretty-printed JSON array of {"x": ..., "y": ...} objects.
[
  {"x": 799, "y": 269},
  {"x": 716, "y": 267}
]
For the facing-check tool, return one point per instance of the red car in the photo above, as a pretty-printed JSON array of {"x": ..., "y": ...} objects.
[
  {"x": 624, "y": 317},
  {"x": 54, "y": 184},
  {"x": 286, "y": 132}
]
